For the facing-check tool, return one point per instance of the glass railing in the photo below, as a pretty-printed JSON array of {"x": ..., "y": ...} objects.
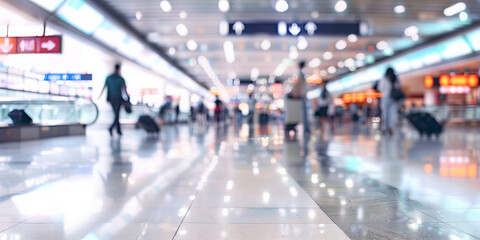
[{"x": 52, "y": 110}]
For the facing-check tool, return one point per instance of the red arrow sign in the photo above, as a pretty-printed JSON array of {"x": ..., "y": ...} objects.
[
  {"x": 13, "y": 45},
  {"x": 50, "y": 44},
  {"x": 8, "y": 45}
]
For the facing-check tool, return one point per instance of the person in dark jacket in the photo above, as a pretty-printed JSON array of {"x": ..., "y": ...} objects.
[{"x": 116, "y": 88}]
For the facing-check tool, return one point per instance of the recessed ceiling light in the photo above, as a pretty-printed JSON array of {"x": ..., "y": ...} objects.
[
  {"x": 411, "y": 31},
  {"x": 172, "y": 51},
  {"x": 415, "y": 38},
  {"x": 454, "y": 9},
  {"x": 399, "y": 9},
  {"x": 223, "y": 28},
  {"x": 166, "y": 6},
  {"x": 302, "y": 43},
  {"x": 323, "y": 73},
  {"x": 360, "y": 56},
  {"x": 254, "y": 74},
  {"x": 332, "y": 69},
  {"x": 340, "y": 45},
  {"x": 382, "y": 45},
  {"x": 340, "y": 64},
  {"x": 281, "y": 6},
  {"x": 316, "y": 62},
  {"x": 183, "y": 15},
  {"x": 182, "y": 30},
  {"x": 223, "y": 5},
  {"x": 315, "y": 14},
  {"x": 328, "y": 55},
  {"x": 265, "y": 45},
  {"x": 232, "y": 75},
  {"x": 352, "y": 38},
  {"x": 229, "y": 51},
  {"x": 349, "y": 62},
  {"x": 138, "y": 15},
  {"x": 463, "y": 16},
  {"x": 341, "y": 6},
  {"x": 192, "y": 45}
]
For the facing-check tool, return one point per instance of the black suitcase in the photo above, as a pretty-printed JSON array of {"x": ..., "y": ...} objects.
[
  {"x": 425, "y": 123},
  {"x": 146, "y": 122},
  {"x": 20, "y": 117}
]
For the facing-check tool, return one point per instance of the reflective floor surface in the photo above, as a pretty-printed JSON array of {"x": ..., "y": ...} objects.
[{"x": 239, "y": 182}]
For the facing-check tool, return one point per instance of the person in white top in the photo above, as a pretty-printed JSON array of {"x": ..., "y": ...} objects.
[{"x": 389, "y": 105}]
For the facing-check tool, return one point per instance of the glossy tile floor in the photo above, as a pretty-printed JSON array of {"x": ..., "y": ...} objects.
[{"x": 238, "y": 182}]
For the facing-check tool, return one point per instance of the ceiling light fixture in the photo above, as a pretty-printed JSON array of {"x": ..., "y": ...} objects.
[
  {"x": 229, "y": 51},
  {"x": 399, "y": 9},
  {"x": 341, "y": 6},
  {"x": 192, "y": 45},
  {"x": 138, "y": 15},
  {"x": 172, "y": 51},
  {"x": 316, "y": 62},
  {"x": 332, "y": 69},
  {"x": 166, "y": 6},
  {"x": 223, "y": 28},
  {"x": 463, "y": 16},
  {"x": 281, "y": 6},
  {"x": 454, "y": 9},
  {"x": 411, "y": 31},
  {"x": 360, "y": 56},
  {"x": 302, "y": 43},
  {"x": 265, "y": 45},
  {"x": 254, "y": 74},
  {"x": 323, "y": 73},
  {"x": 182, "y": 15},
  {"x": 340, "y": 64},
  {"x": 182, "y": 30},
  {"x": 340, "y": 45},
  {"x": 328, "y": 55},
  {"x": 223, "y": 5},
  {"x": 382, "y": 45},
  {"x": 352, "y": 38}
]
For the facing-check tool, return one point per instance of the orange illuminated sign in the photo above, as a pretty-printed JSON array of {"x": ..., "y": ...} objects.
[
  {"x": 359, "y": 97},
  {"x": 453, "y": 81}
]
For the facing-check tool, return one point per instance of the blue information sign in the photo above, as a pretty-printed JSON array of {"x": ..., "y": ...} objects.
[{"x": 67, "y": 77}]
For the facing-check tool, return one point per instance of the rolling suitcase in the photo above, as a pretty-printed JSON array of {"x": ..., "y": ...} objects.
[
  {"x": 148, "y": 124},
  {"x": 425, "y": 123}
]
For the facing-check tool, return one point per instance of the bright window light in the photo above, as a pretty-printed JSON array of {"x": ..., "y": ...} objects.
[
  {"x": 281, "y": 6},
  {"x": 229, "y": 52},
  {"x": 182, "y": 30},
  {"x": 454, "y": 9},
  {"x": 341, "y": 6},
  {"x": 166, "y": 6},
  {"x": 223, "y": 5}
]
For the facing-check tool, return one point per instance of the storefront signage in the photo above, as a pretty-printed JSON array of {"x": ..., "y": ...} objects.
[
  {"x": 452, "y": 81},
  {"x": 359, "y": 97},
  {"x": 67, "y": 77},
  {"x": 19, "y": 45}
]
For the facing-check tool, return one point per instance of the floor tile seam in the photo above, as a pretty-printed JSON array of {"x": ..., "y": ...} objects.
[
  {"x": 185, "y": 216},
  {"x": 16, "y": 224},
  {"x": 460, "y": 230}
]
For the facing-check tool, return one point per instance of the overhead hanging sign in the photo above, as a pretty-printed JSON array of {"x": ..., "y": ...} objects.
[
  {"x": 310, "y": 28},
  {"x": 31, "y": 45},
  {"x": 67, "y": 77}
]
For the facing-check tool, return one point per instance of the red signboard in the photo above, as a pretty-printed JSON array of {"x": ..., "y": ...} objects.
[
  {"x": 44, "y": 44},
  {"x": 445, "y": 80},
  {"x": 359, "y": 97}
]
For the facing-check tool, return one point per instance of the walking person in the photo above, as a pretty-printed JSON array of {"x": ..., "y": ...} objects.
[
  {"x": 251, "y": 108},
  {"x": 392, "y": 95},
  {"x": 116, "y": 88},
  {"x": 325, "y": 102},
  {"x": 218, "y": 109},
  {"x": 301, "y": 90}
]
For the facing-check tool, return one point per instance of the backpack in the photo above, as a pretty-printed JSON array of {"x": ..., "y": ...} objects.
[{"x": 397, "y": 94}]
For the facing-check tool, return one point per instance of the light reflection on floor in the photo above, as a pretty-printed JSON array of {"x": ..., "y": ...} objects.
[{"x": 239, "y": 182}]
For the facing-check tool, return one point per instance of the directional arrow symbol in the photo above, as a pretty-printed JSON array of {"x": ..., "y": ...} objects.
[
  {"x": 311, "y": 27},
  {"x": 6, "y": 47},
  {"x": 238, "y": 27},
  {"x": 294, "y": 29},
  {"x": 48, "y": 45}
]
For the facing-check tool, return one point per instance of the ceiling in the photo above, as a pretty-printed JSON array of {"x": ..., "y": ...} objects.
[{"x": 203, "y": 18}]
